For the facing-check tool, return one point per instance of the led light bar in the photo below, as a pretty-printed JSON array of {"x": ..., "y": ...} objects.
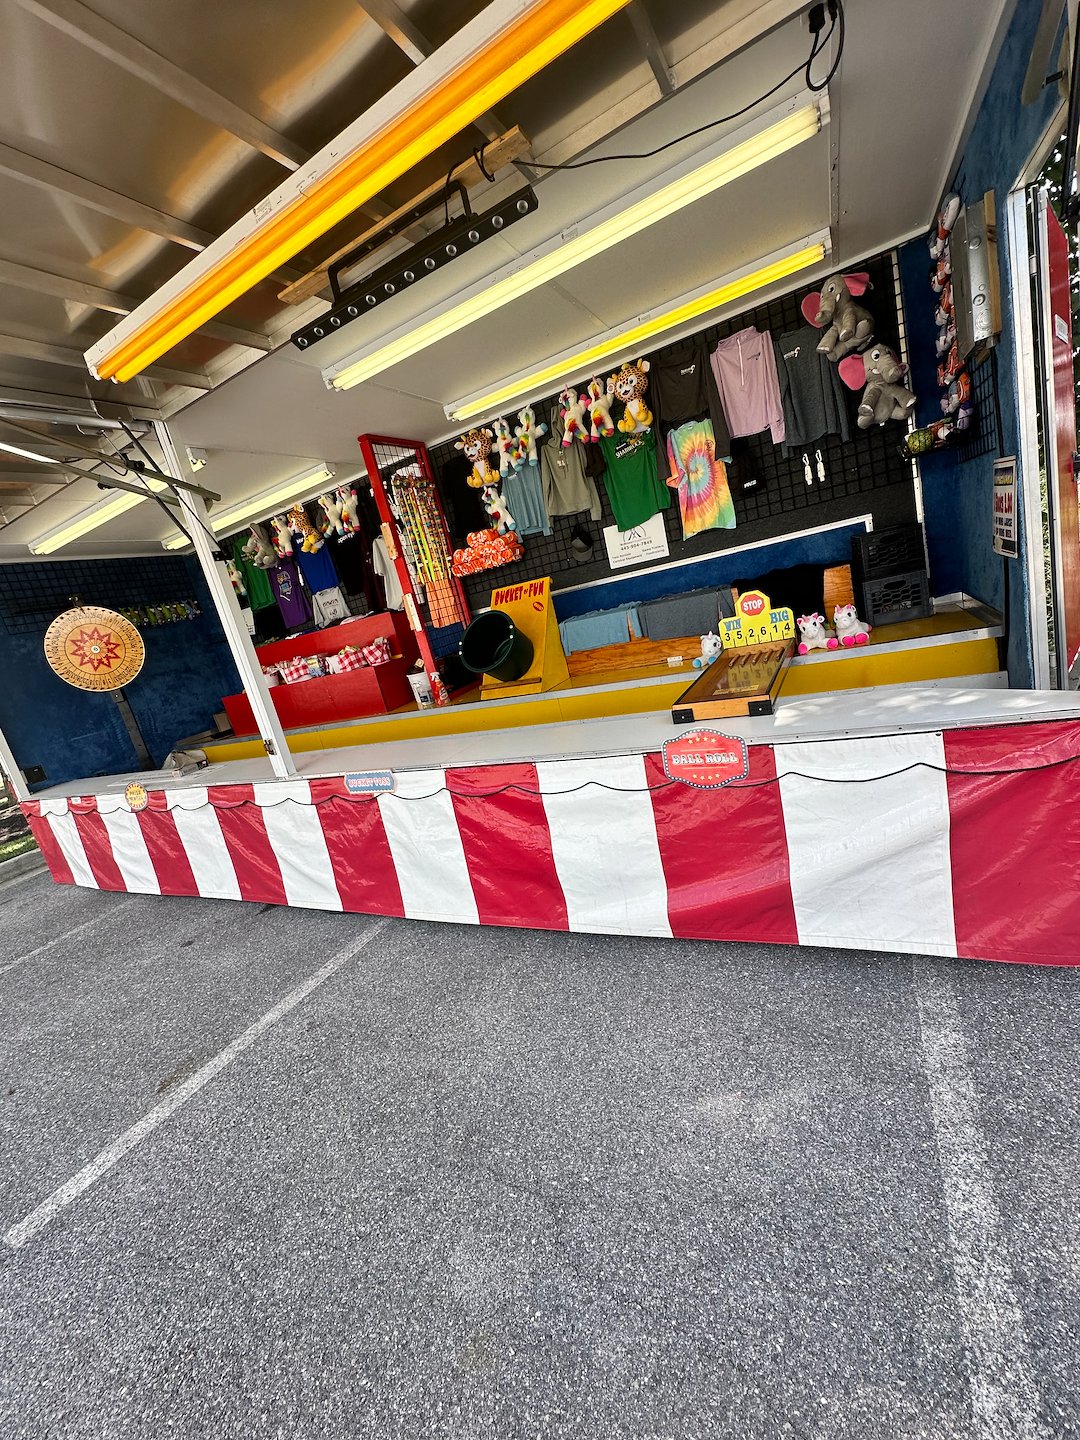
[
  {"x": 29, "y": 455},
  {"x": 798, "y": 121},
  {"x": 289, "y": 492},
  {"x": 438, "y": 250},
  {"x": 493, "y": 55},
  {"x": 91, "y": 519},
  {"x": 628, "y": 341}
]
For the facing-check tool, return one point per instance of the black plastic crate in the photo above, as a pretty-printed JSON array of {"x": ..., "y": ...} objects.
[
  {"x": 896, "y": 597},
  {"x": 896, "y": 550}
]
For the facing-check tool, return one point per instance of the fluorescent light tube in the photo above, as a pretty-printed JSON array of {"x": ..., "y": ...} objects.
[
  {"x": 595, "y": 236},
  {"x": 91, "y": 519},
  {"x": 493, "y": 55},
  {"x": 29, "y": 455},
  {"x": 287, "y": 494},
  {"x": 631, "y": 339}
]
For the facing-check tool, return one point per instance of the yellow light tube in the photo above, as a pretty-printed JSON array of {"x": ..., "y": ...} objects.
[
  {"x": 733, "y": 163},
  {"x": 629, "y": 340},
  {"x": 89, "y": 520},
  {"x": 520, "y": 50},
  {"x": 289, "y": 492}
]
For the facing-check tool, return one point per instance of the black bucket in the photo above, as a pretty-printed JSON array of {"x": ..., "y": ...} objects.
[{"x": 493, "y": 645}]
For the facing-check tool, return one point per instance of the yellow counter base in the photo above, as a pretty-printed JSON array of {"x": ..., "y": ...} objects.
[{"x": 954, "y": 643}]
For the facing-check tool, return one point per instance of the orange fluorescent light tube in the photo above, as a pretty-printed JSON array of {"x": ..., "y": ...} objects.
[{"x": 505, "y": 45}]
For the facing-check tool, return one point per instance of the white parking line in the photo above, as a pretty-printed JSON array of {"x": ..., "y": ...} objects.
[
  {"x": 108, "y": 914},
  {"x": 1004, "y": 1395},
  {"x": 81, "y": 1181}
]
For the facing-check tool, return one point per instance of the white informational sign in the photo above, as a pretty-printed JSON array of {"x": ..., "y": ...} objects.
[
  {"x": 634, "y": 547},
  {"x": 1005, "y": 526}
]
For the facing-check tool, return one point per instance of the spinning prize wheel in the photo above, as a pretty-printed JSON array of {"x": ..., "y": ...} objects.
[{"x": 94, "y": 649}]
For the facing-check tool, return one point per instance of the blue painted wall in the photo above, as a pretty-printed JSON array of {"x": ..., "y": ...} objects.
[
  {"x": 957, "y": 494},
  {"x": 76, "y": 734}
]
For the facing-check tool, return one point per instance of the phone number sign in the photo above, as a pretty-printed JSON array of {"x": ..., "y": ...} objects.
[{"x": 706, "y": 759}]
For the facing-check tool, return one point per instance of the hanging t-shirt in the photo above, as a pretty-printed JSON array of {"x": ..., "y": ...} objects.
[
  {"x": 701, "y": 479},
  {"x": 291, "y": 597},
  {"x": 811, "y": 391},
  {"x": 682, "y": 387},
  {"x": 634, "y": 486},
  {"x": 387, "y": 572},
  {"x": 318, "y": 569},
  {"x": 525, "y": 500},
  {"x": 329, "y": 606},
  {"x": 744, "y": 367},
  {"x": 256, "y": 583},
  {"x": 567, "y": 488}
]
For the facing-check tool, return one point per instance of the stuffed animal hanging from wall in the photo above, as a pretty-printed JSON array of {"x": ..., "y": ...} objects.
[
  {"x": 258, "y": 551},
  {"x": 350, "y": 514},
  {"x": 506, "y": 444},
  {"x": 946, "y": 219},
  {"x": 476, "y": 446},
  {"x": 528, "y": 432},
  {"x": 310, "y": 540},
  {"x": 630, "y": 385},
  {"x": 833, "y": 308},
  {"x": 883, "y": 398},
  {"x": 279, "y": 530},
  {"x": 572, "y": 415},
  {"x": 334, "y": 525},
  {"x": 601, "y": 424}
]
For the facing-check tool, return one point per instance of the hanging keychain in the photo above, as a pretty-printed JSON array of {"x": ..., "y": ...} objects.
[
  {"x": 820, "y": 467},
  {"x": 808, "y": 474}
]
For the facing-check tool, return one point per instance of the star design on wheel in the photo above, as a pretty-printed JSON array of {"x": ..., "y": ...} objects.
[{"x": 94, "y": 649}]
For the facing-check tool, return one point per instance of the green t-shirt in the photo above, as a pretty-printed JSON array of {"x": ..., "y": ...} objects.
[
  {"x": 634, "y": 485},
  {"x": 256, "y": 581}
]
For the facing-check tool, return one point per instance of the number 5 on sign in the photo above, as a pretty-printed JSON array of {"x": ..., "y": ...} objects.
[{"x": 756, "y": 622}]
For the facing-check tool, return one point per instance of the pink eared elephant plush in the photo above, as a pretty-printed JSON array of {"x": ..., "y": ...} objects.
[
  {"x": 883, "y": 399},
  {"x": 833, "y": 308}
]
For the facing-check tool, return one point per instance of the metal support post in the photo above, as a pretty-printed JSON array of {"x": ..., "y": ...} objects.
[
  {"x": 196, "y": 521},
  {"x": 10, "y": 767}
]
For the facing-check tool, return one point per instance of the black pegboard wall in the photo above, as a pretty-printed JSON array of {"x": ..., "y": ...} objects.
[
  {"x": 867, "y": 475},
  {"x": 31, "y": 596}
]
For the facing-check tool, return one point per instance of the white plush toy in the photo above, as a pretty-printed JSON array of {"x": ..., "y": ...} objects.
[
  {"x": 350, "y": 515},
  {"x": 850, "y": 630},
  {"x": 712, "y": 647},
  {"x": 279, "y": 529},
  {"x": 814, "y": 634},
  {"x": 332, "y": 510},
  {"x": 572, "y": 415},
  {"x": 259, "y": 552},
  {"x": 600, "y": 421},
  {"x": 506, "y": 443},
  {"x": 528, "y": 432}
]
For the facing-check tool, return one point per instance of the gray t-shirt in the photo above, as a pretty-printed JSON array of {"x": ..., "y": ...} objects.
[{"x": 811, "y": 391}]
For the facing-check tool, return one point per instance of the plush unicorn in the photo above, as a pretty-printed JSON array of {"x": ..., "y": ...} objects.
[
  {"x": 572, "y": 415},
  {"x": 332, "y": 510},
  {"x": 495, "y": 505},
  {"x": 712, "y": 647},
  {"x": 599, "y": 407},
  {"x": 850, "y": 630},
  {"x": 350, "y": 515},
  {"x": 814, "y": 634},
  {"x": 508, "y": 446},
  {"x": 528, "y": 432},
  {"x": 279, "y": 529}
]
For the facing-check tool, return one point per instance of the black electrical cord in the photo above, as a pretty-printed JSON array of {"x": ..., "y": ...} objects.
[{"x": 837, "y": 26}]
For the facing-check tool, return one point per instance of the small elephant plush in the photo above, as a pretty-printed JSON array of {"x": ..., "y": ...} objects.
[
  {"x": 850, "y": 630},
  {"x": 883, "y": 397},
  {"x": 259, "y": 552},
  {"x": 814, "y": 634},
  {"x": 833, "y": 308}
]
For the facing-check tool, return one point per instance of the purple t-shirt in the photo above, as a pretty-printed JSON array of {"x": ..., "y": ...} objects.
[{"x": 291, "y": 599}]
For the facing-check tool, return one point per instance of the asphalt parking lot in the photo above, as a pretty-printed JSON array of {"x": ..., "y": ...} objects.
[{"x": 277, "y": 1173}]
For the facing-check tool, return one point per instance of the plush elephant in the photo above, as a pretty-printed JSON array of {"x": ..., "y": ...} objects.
[
  {"x": 846, "y": 325},
  {"x": 884, "y": 398}
]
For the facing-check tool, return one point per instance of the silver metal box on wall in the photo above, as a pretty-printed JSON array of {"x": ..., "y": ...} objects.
[{"x": 976, "y": 289}]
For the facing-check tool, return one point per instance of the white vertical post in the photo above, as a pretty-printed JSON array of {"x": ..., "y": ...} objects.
[
  {"x": 197, "y": 523},
  {"x": 10, "y": 767}
]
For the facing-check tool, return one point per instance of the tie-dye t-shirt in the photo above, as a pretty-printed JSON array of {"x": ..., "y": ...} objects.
[{"x": 700, "y": 478}]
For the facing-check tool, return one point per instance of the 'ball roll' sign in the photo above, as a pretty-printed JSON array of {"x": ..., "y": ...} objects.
[{"x": 706, "y": 759}]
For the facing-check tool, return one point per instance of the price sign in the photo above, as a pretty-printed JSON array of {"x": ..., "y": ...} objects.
[{"x": 756, "y": 622}]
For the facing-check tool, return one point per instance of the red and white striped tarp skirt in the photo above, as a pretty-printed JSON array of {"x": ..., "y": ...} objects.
[{"x": 964, "y": 843}]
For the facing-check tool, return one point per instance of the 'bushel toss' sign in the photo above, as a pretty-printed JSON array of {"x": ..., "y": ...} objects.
[{"x": 706, "y": 759}]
